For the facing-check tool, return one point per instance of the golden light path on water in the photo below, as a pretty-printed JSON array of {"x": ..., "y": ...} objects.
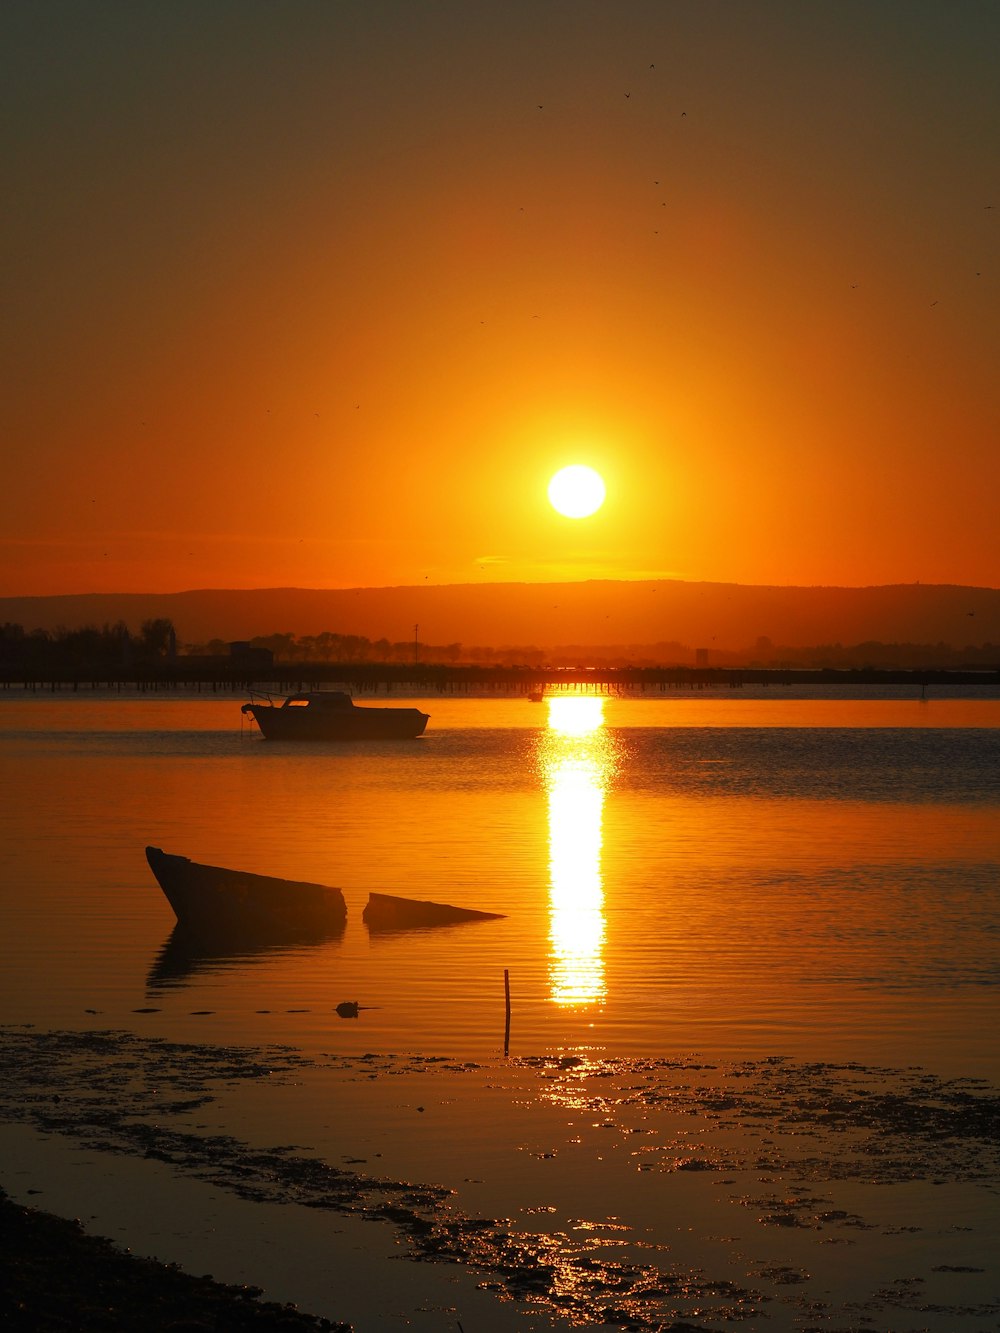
[{"x": 577, "y": 761}]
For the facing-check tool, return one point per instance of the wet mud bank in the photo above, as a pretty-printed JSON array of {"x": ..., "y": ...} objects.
[{"x": 651, "y": 1194}]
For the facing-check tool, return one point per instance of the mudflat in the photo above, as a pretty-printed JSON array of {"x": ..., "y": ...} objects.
[{"x": 569, "y": 1190}]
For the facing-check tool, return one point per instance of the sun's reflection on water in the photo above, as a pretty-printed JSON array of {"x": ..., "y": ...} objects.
[{"x": 576, "y": 759}]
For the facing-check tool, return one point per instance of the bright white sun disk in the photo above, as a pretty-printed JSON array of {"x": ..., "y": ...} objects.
[{"x": 576, "y": 491}]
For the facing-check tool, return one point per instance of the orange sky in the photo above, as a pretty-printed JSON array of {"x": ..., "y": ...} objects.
[{"x": 322, "y": 294}]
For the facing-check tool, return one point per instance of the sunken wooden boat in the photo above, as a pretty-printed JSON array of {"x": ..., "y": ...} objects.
[
  {"x": 385, "y": 911},
  {"x": 332, "y": 715},
  {"x": 213, "y": 901}
]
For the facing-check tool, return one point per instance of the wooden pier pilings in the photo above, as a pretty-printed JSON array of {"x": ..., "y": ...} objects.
[{"x": 430, "y": 678}]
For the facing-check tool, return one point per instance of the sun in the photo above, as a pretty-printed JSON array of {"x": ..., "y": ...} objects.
[{"x": 576, "y": 491}]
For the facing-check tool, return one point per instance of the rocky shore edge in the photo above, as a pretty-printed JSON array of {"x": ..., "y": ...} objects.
[{"x": 55, "y": 1278}]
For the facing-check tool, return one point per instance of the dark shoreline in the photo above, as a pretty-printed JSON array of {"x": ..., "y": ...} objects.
[
  {"x": 428, "y": 679},
  {"x": 54, "y": 1278}
]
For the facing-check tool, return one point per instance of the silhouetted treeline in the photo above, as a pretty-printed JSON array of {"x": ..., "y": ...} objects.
[
  {"x": 874, "y": 654},
  {"x": 115, "y": 647},
  {"x": 330, "y": 647},
  {"x": 89, "y": 648}
]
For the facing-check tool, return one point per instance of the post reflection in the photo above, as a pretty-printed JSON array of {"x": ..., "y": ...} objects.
[{"x": 576, "y": 760}]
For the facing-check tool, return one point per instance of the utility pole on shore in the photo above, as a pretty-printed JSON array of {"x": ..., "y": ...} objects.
[{"x": 416, "y": 643}]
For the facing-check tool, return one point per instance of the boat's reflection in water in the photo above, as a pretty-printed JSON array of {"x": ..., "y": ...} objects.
[
  {"x": 577, "y": 760},
  {"x": 186, "y": 954}
]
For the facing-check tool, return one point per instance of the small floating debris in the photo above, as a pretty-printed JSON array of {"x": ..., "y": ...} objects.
[{"x": 351, "y": 1008}]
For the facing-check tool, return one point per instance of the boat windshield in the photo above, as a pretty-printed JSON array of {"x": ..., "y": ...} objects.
[{"x": 319, "y": 698}]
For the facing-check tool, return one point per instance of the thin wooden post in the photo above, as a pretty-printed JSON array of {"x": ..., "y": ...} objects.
[{"x": 506, "y": 993}]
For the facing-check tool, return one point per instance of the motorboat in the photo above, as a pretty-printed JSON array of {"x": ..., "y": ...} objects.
[{"x": 332, "y": 715}]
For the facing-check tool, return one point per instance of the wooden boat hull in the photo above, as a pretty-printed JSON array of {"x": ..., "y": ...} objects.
[
  {"x": 218, "y": 902},
  {"x": 385, "y": 911},
  {"x": 341, "y": 724}
]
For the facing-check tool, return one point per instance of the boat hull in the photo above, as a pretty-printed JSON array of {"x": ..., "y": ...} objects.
[
  {"x": 386, "y": 911},
  {"x": 341, "y": 724},
  {"x": 215, "y": 901}
]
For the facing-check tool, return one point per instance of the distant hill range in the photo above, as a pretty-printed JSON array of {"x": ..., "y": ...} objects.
[{"x": 716, "y": 616}]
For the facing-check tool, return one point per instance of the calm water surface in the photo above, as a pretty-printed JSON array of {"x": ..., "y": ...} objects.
[{"x": 725, "y": 875}]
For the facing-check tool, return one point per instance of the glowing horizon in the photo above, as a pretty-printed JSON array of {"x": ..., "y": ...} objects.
[{"x": 319, "y": 330}]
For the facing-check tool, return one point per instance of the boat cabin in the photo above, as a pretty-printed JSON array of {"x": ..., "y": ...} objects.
[{"x": 320, "y": 699}]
